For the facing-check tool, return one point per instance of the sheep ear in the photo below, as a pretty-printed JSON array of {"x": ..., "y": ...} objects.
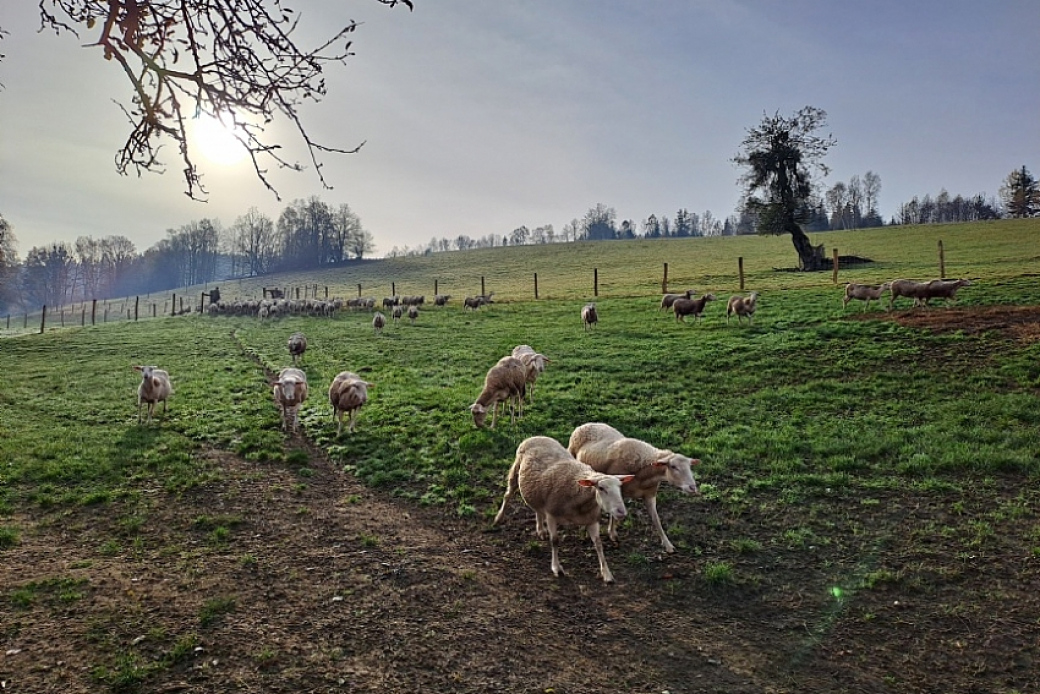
[
  {"x": 625, "y": 478},
  {"x": 659, "y": 463},
  {"x": 695, "y": 461},
  {"x": 587, "y": 483},
  {"x": 137, "y": 368}
]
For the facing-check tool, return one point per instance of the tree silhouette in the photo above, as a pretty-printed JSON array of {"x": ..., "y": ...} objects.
[{"x": 781, "y": 154}]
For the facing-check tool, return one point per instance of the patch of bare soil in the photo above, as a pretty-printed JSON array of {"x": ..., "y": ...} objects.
[{"x": 1016, "y": 322}]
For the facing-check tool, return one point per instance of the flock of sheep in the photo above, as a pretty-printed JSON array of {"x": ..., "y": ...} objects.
[
  {"x": 575, "y": 485},
  {"x": 920, "y": 292}
]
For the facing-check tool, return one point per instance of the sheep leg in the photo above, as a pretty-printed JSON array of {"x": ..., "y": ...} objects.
[
  {"x": 139, "y": 403},
  {"x": 554, "y": 542},
  {"x": 540, "y": 523},
  {"x": 651, "y": 508},
  {"x": 510, "y": 490},
  {"x": 494, "y": 414},
  {"x": 353, "y": 419},
  {"x": 612, "y": 529},
  {"x": 337, "y": 414},
  {"x": 604, "y": 570}
]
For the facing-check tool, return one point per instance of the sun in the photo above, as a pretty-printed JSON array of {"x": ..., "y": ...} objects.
[{"x": 217, "y": 141}]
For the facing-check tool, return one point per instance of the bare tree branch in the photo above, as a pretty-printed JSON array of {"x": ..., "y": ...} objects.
[{"x": 235, "y": 60}]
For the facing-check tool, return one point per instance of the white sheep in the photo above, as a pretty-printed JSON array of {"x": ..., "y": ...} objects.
[
  {"x": 607, "y": 450},
  {"x": 347, "y": 394},
  {"x": 589, "y": 316},
  {"x": 742, "y": 306},
  {"x": 864, "y": 292},
  {"x": 290, "y": 391},
  {"x": 154, "y": 388},
  {"x": 535, "y": 364},
  {"x": 378, "y": 323},
  {"x": 413, "y": 313},
  {"x": 562, "y": 491},
  {"x": 505, "y": 381},
  {"x": 297, "y": 346}
]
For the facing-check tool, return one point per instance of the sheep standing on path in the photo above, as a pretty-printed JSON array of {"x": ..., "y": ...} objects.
[
  {"x": 505, "y": 381},
  {"x": 863, "y": 292},
  {"x": 154, "y": 388},
  {"x": 290, "y": 391},
  {"x": 691, "y": 307},
  {"x": 297, "y": 346},
  {"x": 562, "y": 491},
  {"x": 589, "y": 316},
  {"x": 742, "y": 306},
  {"x": 607, "y": 450},
  {"x": 347, "y": 394}
]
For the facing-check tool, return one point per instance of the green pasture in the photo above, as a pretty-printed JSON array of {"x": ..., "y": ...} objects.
[{"x": 805, "y": 398}]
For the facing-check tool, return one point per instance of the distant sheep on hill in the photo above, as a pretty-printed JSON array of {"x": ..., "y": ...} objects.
[{"x": 589, "y": 316}]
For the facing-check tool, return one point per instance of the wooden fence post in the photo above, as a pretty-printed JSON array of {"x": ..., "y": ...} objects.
[
  {"x": 43, "y": 318},
  {"x": 326, "y": 291},
  {"x": 83, "y": 315},
  {"x": 482, "y": 292},
  {"x": 834, "y": 275},
  {"x": 63, "y": 316},
  {"x": 536, "y": 285},
  {"x": 435, "y": 291},
  {"x": 137, "y": 300},
  {"x": 153, "y": 309},
  {"x": 359, "y": 290},
  {"x": 664, "y": 280},
  {"x": 173, "y": 306},
  {"x": 93, "y": 311},
  {"x": 595, "y": 281},
  {"x": 740, "y": 269},
  {"x": 942, "y": 261}
]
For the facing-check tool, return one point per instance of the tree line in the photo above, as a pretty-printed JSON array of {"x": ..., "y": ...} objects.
[{"x": 307, "y": 234}]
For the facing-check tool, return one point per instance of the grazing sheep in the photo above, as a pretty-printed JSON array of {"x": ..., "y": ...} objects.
[
  {"x": 562, "y": 491},
  {"x": 441, "y": 299},
  {"x": 413, "y": 313},
  {"x": 607, "y": 450},
  {"x": 154, "y": 388},
  {"x": 290, "y": 391},
  {"x": 589, "y": 316},
  {"x": 378, "y": 323},
  {"x": 347, "y": 393},
  {"x": 668, "y": 299},
  {"x": 936, "y": 289},
  {"x": 397, "y": 313},
  {"x": 863, "y": 292},
  {"x": 691, "y": 307},
  {"x": 297, "y": 346},
  {"x": 742, "y": 306},
  {"x": 505, "y": 381},
  {"x": 535, "y": 364}
]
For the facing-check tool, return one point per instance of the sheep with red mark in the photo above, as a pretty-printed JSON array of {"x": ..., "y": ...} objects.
[
  {"x": 563, "y": 491},
  {"x": 607, "y": 450}
]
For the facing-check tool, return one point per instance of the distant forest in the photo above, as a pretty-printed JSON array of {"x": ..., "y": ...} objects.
[{"x": 312, "y": 234}]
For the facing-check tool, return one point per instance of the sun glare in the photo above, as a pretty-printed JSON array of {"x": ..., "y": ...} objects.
[{"x": 216, "y": 141}]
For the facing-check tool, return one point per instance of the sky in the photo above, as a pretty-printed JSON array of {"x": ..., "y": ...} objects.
[{"x": 479, "y": 117}]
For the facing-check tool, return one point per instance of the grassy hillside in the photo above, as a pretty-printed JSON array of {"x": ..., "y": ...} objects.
[{"x": 850, "y": 463}]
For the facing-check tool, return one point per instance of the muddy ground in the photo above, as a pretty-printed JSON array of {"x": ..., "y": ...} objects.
[{"x": 261, "y": 583}]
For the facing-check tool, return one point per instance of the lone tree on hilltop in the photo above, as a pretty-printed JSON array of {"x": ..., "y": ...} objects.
[
  {"x": 1021, "y": 194},
  {"x": 781, "y": 154},
  {"x": 235, "y": 60}
]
